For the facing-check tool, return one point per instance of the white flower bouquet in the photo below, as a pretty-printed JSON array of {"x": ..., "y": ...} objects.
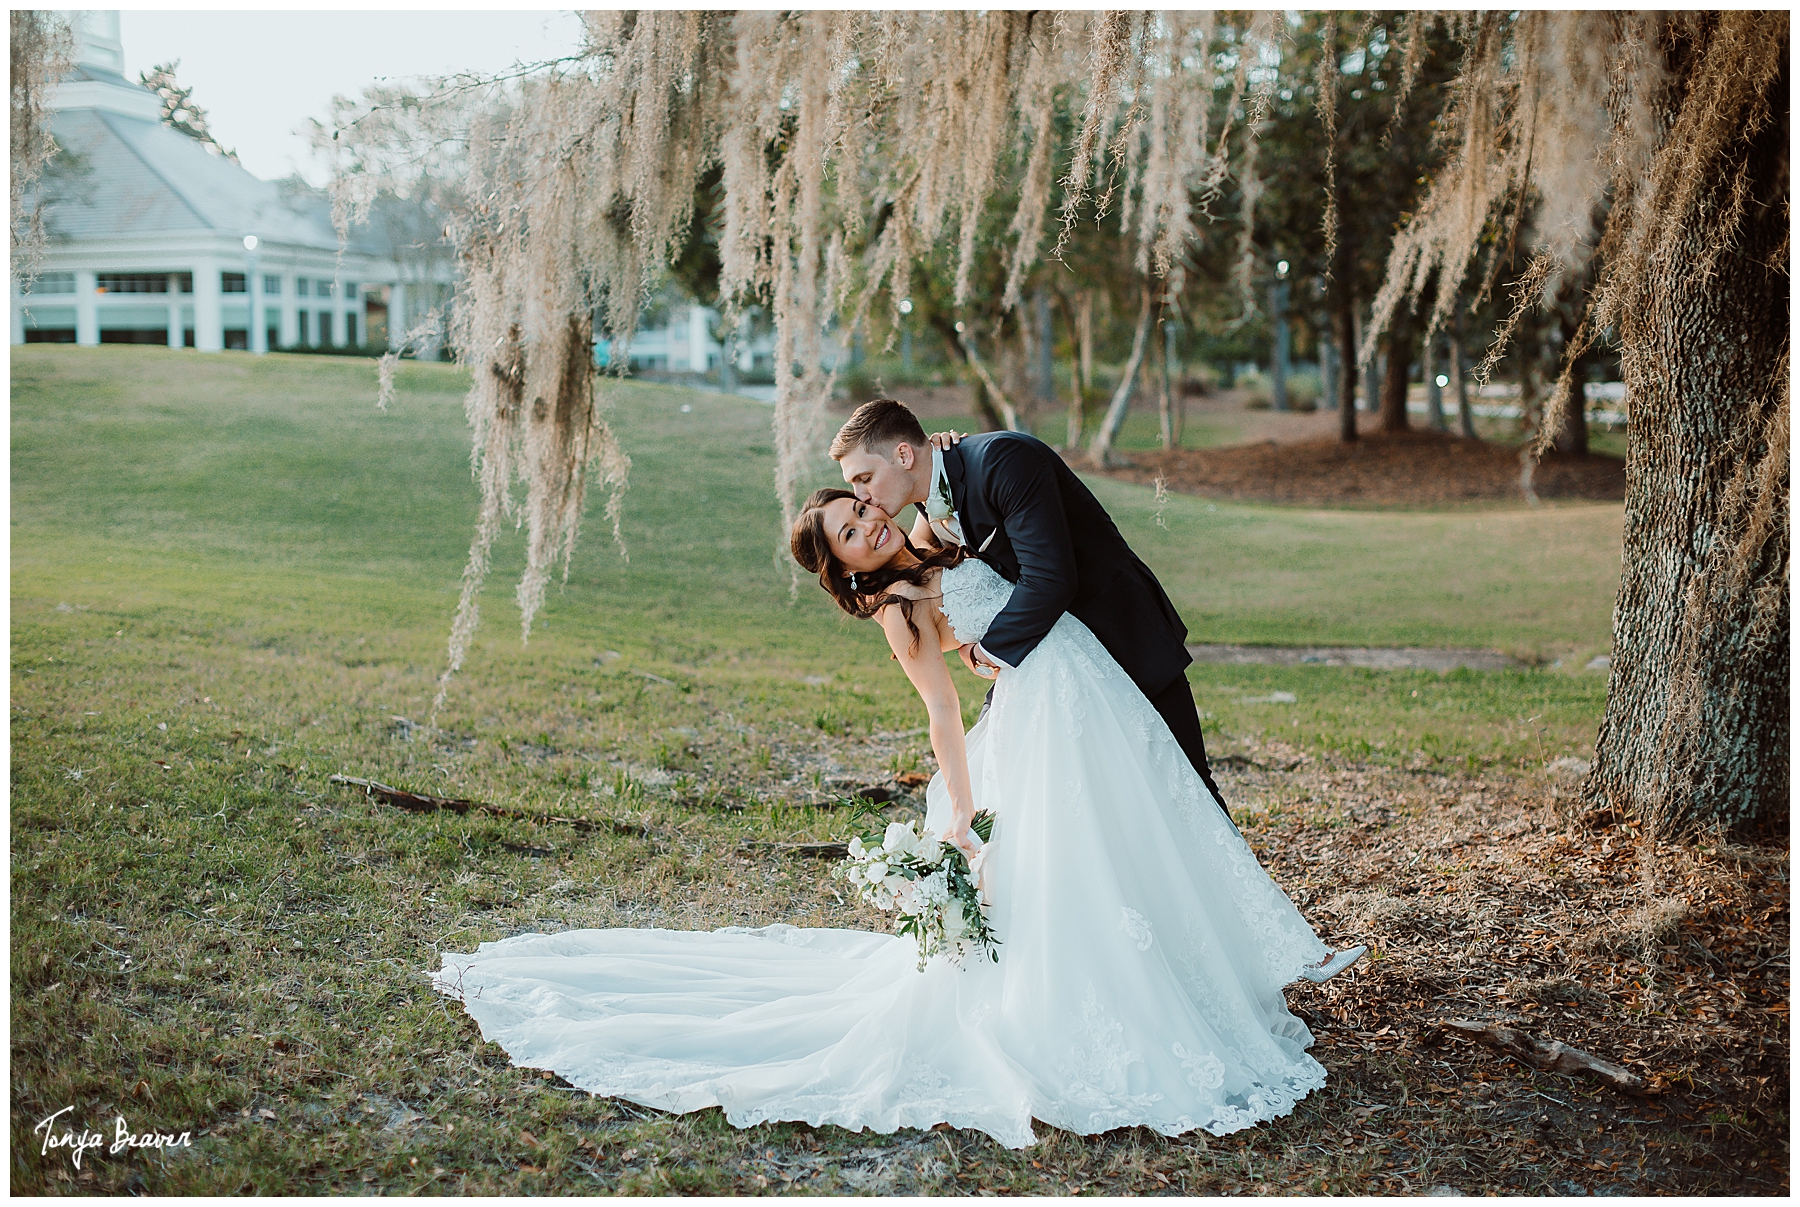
[{"x": 930, "y": 886}]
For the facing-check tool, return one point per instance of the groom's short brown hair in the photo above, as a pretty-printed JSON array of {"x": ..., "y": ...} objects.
[{"x": 877, "y": 427}]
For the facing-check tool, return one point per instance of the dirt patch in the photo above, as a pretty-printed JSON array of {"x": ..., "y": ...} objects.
[
  {"x": 1407, "y": 469},
  {"x": 1379, "y": 658},
  {"x": 1481, "y": 905}
]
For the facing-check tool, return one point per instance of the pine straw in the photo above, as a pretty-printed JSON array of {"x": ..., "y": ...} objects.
[
  {"x": 1671, "y": 960},
  {"x": 1406, "y": 469}
]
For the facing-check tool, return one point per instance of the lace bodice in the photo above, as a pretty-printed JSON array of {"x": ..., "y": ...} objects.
[{"x": 974, "y": 593}]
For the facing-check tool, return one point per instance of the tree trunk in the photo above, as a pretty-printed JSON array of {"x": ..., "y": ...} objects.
[
  {"x": 1696, "y": 724},
  {"x": 1371, "y": 372},
  {"x": 1009, "y": 414},
  {"x": 1459, "y": 378},
  {"x": 1046, "y": 338},
  {"x": 1165, "y": 402},
  {"x": 1394, "y": 380},
  {"x": 1077, "y": 395},
  {"x": 1346, "y": 377},
  {"x": 1434, "y": 393},
  {"x": 1101, "y": 448},
  {"x": 1327, "y": 365},
  {"x": 991, "y": 420},
  {"x": 1572, "y": 436},
  {"x": 1530, "y": 395},
  {"x": 1571, "y": 424},
  {"x": 1084, "y": 338}
]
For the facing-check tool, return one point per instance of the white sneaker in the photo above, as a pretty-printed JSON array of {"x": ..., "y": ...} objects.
[{"x": 1320, "y": 973}]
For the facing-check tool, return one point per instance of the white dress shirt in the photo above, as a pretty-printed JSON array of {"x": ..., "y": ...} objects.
[{"x": 947, "y": 526}]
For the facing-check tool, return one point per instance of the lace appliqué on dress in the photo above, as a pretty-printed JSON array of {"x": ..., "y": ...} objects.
[
  {"x": 973, "y": 593},
  {"x": 1136, "y": 927}
]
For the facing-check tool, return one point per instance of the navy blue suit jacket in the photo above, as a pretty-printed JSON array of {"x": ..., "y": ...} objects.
[{"x": 1062, "y": 552}]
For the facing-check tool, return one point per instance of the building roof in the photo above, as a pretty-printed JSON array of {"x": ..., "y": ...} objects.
[{"x": 129, "y": 176}]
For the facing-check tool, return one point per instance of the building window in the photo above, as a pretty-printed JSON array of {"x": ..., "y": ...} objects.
[
  {"x": 301, "y": 285},
  {"x": 184, "y": 282},
  {"x": 350, "y": 329},
  {"x": 54, "y": 282},
  {"x": 321, "y": 289},
  {"x": 350, "y": 289},
  {"x": 273, "y": 338},
  {"x": 324, "y": 327},
  {"x": 237, "y": 339},
  {"x": 272, "y": 286},
  {"x": 305, "y": 322},
  {"x": 232, "y": 282},
  {"x": 49, "y": 335},
  {"x": 133, "y": 282}
]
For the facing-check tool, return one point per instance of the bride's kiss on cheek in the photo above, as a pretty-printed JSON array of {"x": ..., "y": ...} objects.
[{"x": 1136, "y": 949}]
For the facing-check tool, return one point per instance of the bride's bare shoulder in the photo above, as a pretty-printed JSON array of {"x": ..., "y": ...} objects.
[{"x": 928, "y": 590}]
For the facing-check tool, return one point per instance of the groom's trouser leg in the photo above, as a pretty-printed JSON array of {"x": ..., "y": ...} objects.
[{"x": 1176, "y": 704}]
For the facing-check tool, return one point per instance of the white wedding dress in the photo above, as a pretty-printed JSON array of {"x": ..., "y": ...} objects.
[{"x": 1142, "y": 959}]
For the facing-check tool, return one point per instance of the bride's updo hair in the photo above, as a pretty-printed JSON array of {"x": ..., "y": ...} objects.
[{"x": 811, "y": 547}]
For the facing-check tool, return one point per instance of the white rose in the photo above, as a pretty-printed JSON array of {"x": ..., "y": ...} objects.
[
  {"x": 929, "y": 850},
  {"x": 899, "y": 838},
  {"x": 876, "y": 871},
  {"x": 856, "y": 846},
  {"x": 954, "y": 926}
]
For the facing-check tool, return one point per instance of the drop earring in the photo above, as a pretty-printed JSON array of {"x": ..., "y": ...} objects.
[{"x": 853, "y": 580}]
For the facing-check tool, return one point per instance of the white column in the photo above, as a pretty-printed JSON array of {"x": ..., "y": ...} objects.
[
  {"x": 209, "y": 323},
  {"x": 338, "y": 334},
  {"x": 396, "y": 318},
  {"x": 697, "y": 339},
  {"x": 259, "y": 339},
  {"x": 18, "y": 311},
  {"x": 174, "y": 310},
  {"x": 284, "y": 302},
  {"x": 87, "y": 321}
]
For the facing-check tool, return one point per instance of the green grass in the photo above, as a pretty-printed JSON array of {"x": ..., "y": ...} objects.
[{"x": 231, "y": 574}]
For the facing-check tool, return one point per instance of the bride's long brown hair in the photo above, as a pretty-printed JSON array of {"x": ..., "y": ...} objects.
[{"x": 811, "y": 547}]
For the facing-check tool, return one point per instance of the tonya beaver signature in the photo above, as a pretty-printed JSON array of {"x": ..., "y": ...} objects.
[{"x": 123, "y": 1138}]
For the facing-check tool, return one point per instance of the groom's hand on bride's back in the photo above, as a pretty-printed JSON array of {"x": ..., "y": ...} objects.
[{"x": 944, "y": 440}]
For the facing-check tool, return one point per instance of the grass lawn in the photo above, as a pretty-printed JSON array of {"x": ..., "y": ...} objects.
[{"x": 232, "y": 577}]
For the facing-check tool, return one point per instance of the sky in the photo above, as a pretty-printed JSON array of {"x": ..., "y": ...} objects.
[{"x": 260, "y": 75}]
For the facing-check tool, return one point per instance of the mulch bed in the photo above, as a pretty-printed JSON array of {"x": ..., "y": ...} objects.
[
  {"x": 1417, "y": 469},
  {"x": 1482, "y": 903}
]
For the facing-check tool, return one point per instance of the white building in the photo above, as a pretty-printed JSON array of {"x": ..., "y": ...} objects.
[
  {"x": 155, "y": 239},
  {"x": 684, "y": 343}
]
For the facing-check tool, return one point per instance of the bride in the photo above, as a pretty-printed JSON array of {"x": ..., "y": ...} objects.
[{"x": 1143, "y": 949}]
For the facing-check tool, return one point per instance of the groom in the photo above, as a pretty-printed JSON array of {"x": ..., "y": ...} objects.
[{"x": 1011, "y": 500}]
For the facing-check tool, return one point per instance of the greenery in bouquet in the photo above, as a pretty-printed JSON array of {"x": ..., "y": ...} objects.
[{"x": 930, "y": 886}]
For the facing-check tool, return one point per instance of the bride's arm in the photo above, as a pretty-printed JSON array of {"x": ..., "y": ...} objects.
[
  {"x": 923, "y": 662},
  {"x": 921, "y": 535}
]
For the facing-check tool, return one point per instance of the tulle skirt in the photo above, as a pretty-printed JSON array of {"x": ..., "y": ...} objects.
[{"x": 1142, "y": 960}]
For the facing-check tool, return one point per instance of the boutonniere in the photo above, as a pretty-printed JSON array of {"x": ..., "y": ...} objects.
[{"x": 941, "y": 505}]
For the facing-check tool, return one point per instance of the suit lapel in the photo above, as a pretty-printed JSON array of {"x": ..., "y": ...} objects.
[
  {"x": 962, "y": 497},
  {"x": 979, "y": 529}
]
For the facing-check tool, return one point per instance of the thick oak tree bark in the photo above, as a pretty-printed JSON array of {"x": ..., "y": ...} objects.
[{"x": 1696, "y": 723}]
